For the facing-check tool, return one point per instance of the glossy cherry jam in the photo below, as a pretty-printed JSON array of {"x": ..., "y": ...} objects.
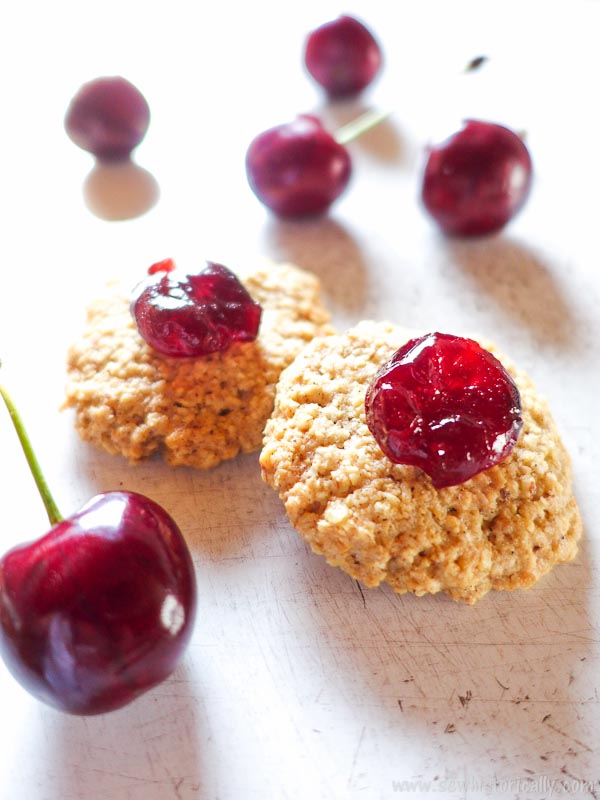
[
  {"x": 198, "y": 315},
  {"x": 446, "y": 405},
  {"x": 477, "y": 180},
  {"x": 108, "y": 117},
  {"x": 298, "y": 169},
  {"x": 101, "y": 608},
  {"x": 343, "y": 56}
]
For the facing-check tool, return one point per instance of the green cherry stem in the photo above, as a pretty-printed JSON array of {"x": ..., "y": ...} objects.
[
  {"x": 352, "y": 130},
  {"x": 363, "y": 123},
  {"x": 54, "y": 514}
]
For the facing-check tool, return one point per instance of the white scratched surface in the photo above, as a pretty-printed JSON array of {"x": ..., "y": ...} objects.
[{"x": 297, "y": 684}]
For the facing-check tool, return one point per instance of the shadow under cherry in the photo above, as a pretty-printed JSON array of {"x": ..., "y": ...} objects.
[
  {"x": 324, "y": 247},
  {"x": 522, "y": 284},
  {"x": 120, "y": 190}
]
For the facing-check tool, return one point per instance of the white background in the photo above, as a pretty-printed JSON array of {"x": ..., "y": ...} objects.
[{"x": 293, "y": 686}]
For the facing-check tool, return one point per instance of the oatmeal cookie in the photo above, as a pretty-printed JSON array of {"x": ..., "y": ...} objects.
[
  {"x": 385, "y": 522},
  {"x": 132, "y": 401}
]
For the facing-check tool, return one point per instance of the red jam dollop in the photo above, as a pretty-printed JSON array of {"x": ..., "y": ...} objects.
[
  {"x": 446, "y": 405},
  {"x": 201, "y": 314}
]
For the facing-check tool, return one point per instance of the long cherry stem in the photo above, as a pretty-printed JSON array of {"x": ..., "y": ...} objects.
[
  {"x": 352, "y": 130},
  {"x": 54, "y": 514}
]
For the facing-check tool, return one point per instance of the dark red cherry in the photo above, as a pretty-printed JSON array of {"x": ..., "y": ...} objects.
[
  {"x": 342, "y": 56},
  {"x": 100, "y": 608},
  {"x": 446, "y": 405},
  {"x": 108, "y": 117},
  {"x": 298, "y": 169},
  {"x": 198, "y": 315},
  {"x": 477, "y": 180}
]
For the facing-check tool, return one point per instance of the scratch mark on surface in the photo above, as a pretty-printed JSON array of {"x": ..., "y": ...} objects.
[
  {"x": 556, "y": 729},
  {"x": 502, "y": 686},
  {"x": 581, "y": 782},
  {"x": 518, "y": 700},
  {"x": 177, "y": 785},
  {"x": 574, "y": 635},
  {"x": 362, "y": 594},
  {"x": 126, "y": 775},
  {"x": 356, "y": 752},
  {"x": 167, "y": 715},
  {"x": 450, "y": 728},
  {"x": 400, "y": 705},
  {"x": 466, "y": 698}
]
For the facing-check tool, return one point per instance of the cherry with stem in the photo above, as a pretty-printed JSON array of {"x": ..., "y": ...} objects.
[
  {"x": 100, "y": 608},
  {"x": 299, "y": 169}
]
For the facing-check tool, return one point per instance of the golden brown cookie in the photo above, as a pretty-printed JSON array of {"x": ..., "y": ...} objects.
[
  {"x": 132, "y": 401},
  {"x": 384, "y": 522}
]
